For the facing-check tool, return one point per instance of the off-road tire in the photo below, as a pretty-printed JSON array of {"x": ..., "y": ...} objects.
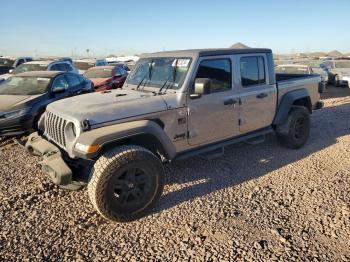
[
  {"x": 295, "y": 131},
  {"x": 107, "y": 176}
]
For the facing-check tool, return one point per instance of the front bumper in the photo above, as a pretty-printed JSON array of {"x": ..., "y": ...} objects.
[{"x": 52, "y": 164}]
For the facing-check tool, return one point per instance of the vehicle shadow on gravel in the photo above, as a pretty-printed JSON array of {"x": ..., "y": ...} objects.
[{"x": 197, "y": 177}]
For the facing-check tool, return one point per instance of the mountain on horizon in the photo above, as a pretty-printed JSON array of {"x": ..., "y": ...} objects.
[
  {"x": 335, "y": 53},
  {"x": 239, "y": 45}
]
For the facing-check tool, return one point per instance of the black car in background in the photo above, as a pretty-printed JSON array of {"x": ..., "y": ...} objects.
[{"x": 24, "y": 97}]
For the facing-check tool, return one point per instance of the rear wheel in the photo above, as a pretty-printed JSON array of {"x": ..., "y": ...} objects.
[
  {"x": 295, "y": 131},
  {"x": 125, "y": 183}
]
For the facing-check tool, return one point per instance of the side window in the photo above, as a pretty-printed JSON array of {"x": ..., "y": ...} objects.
[
  {"x": 252, "y": 71},
  {"x": 118, "y": 71},
  {"x": 218, "y": 71},
  {"x": 73, "y": 80},
  {"x": 70, "y": 67},
  {"x": 55, "y": 67},
  {"x": 63, "y": 67},
  {"x": 60, "y": 82},
  {"x": 20, "y": 61}
]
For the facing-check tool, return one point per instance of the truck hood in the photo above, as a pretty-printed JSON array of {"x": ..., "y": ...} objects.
[
  {"x": 104, "y": 107},
  {"x": 11, "y": 102}
]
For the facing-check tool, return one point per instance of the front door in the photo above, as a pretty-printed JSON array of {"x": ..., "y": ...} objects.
[
  {"x": 213, "y": 117},
  {"x": 257, "y": 97}
]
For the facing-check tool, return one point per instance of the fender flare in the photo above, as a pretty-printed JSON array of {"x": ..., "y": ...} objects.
[
  {"x": 287, "y": 103},
  {"x": 108, "y": 135}
]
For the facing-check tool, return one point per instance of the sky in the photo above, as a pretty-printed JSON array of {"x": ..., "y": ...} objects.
[{"x": 70, "y": 27}]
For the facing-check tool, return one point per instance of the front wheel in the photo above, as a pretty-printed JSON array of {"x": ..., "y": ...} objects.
[
  {"x": 125, "y": 183},
  {"x": 295, "y": 131}
]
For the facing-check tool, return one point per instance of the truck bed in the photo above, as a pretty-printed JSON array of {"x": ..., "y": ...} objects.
[
  {"x": 290, "y": 82},
  {"x": 285, "y": 77}
]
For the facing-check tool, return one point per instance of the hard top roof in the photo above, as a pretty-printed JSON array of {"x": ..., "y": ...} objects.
[{"x": 206, "y": 52}]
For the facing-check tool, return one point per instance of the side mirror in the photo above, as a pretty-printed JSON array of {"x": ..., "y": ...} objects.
[
  {"x": 58, "y": 90},
  {"x": 202, "y": 86}
]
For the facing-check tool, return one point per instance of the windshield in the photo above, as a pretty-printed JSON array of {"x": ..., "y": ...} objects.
[
  {"x": 342, "y": 64},
  {"x": 99, "y": 73},
  {"x": 156, "y": 72},
  {"x": 24, "y": 85},
  {"x": 6, "y": 62},
  {"x": 291, "y": 70},
  {"x": 29, "y": 67},
  {"x": 83, "y": 65}
]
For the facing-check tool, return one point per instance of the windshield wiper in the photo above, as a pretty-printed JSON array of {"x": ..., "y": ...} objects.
[
  {"x": 149, "y": 77},
  {"x": 160, "y": 90},
  {"x": 143, "y": 79},
  {"x": 167, "y": 86}
]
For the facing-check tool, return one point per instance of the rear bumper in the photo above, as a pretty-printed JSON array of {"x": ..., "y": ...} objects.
[{"x": 52, "y": 164}]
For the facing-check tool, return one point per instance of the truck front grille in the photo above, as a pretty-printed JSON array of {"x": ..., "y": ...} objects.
[{"x": 54, "y": 128}]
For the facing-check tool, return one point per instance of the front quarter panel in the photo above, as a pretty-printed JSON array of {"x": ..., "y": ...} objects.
[{"x": 114, "y": 133}]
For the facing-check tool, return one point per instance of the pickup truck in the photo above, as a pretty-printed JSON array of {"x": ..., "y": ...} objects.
[{"x": 173, "y": 105}]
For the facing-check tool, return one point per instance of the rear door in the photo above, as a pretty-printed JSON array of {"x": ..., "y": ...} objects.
[
  {"x": 212, "y": 117},
  {"x": 257, "y": 97}
]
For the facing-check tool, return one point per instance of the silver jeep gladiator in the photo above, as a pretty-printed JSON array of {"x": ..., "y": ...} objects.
[{"x": 172, "y": 106}]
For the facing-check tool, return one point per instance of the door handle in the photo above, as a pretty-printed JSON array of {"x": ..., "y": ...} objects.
[
  {"x": 230, "y": 101},
  {"x": 262, "y": 95}
]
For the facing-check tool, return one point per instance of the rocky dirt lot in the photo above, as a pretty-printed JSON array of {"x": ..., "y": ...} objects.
[{"x": 257, "y": 202}]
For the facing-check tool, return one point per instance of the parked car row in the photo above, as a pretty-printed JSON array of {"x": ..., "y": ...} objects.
[
  {"x": 9, "y": 63},
  {"x": 24, "y": 97},
  {"x": 333, "y": 71},
  {"x": 30, "y": 86}
]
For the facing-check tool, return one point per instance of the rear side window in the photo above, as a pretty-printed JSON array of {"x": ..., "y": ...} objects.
[
  {"x": 218, "y": 71},
  {"x": 21, "y": 61},
  {"x": 63, "y": 67},
  {"x": 252, "y": 70},
  {"x": 73, "y": 80},
  {"x": 55, "y": 67}
]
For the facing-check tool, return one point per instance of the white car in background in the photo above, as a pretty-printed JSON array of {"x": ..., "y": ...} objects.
[
  {"x": 338, "y": 72},
  {"x": 316, "y": 66},
  {"x": 48, "y": 65},
  {"x": 297, "y": 69}
]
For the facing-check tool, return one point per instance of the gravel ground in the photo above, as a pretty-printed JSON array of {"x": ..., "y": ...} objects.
[{"x": 257, "y": 202}]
